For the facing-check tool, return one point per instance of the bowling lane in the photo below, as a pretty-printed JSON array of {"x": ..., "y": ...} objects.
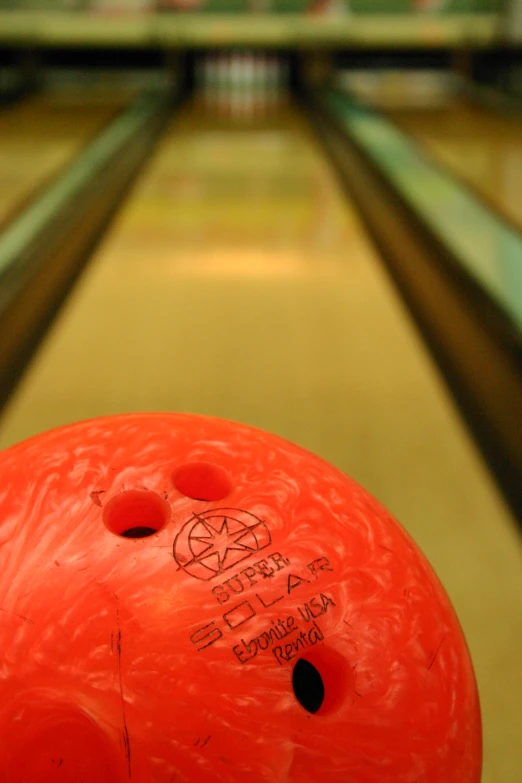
[
  {"x": 479, "y": 145},
  {"x": 43, "y": 133},
  {"x": 238, "y": 282}
]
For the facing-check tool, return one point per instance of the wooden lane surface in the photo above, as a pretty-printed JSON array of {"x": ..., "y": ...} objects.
[
  {"x": 480, "y": 146},
  {"x": 238, "y": 282},
  {"x": 40, "y": 135}
]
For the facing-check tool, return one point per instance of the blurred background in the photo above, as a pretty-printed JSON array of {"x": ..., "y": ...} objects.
[{"x": 304, "y": 215}]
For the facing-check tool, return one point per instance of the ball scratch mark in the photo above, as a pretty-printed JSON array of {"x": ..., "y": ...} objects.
[{"x": 126, "y": 737}]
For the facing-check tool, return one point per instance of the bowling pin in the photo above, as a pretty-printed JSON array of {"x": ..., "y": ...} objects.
[
  {"x": 236, "y": 68},
  {"x": 220, "y": 72},
  {"x": 285, "y": 78},
  {"x": 209, "y": 77},
  {"x": 221, "y": 75},
  {"x": 272, "y": 79},
  {"x": 265, "y": 81},
  {"x": 256, "y": 108},
  {"x": 250, "y": 72},
  {"x": 199, "y": 74}
]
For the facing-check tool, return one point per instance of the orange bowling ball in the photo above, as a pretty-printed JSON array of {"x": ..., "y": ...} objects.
[{"x": 184, "y": 599}]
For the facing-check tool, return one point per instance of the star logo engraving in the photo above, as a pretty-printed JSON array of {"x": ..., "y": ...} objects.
[{"x": 216, "y": 540}]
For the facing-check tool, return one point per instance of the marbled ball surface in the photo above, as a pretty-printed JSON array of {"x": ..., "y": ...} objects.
[{"x": 162, "y": 580}]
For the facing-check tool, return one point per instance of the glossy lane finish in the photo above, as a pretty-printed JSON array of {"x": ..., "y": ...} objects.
[
  {"x": 481, "y": 146},
  {"x": 41, "y": 135},
  {"x": 237, "y": 282}
]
